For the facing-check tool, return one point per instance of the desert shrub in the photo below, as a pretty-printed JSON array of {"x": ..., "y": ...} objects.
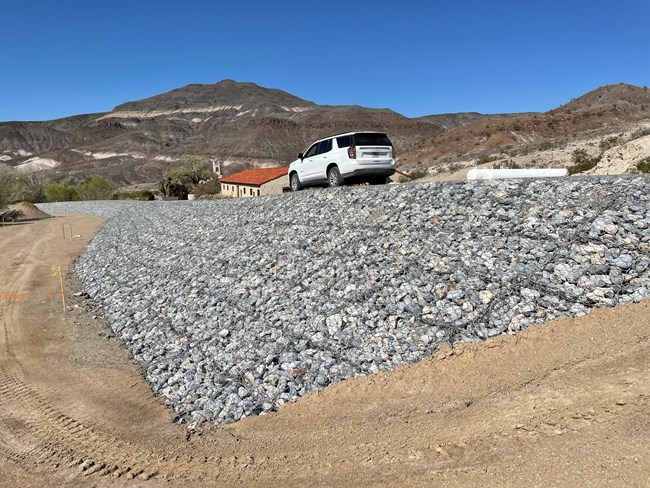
[
  {"x": 608, "y": 143},
  {"x": 95, "y": 188},
  {"x": 181, "y": 180},
  {"x": 143, "y": 195},
  {"x": 198, "y": 160},
  {"x": 419, "y": 172},
  {"x": 210, "y": 187},
  {"x": 582, "y": 162},
  {"x": 6, "y": 176},
  {"x": 580, "y": 156},
  {"x": 24, "y": 186},
  {"x": 643, "y": 166},
  {"x": 60, "y": 192},
  {"x": 640, "y": 133},
  {"x": 508, "y": 164},
  {"x": 414, "y": 174},
  {"x": 485, "y": 158}
]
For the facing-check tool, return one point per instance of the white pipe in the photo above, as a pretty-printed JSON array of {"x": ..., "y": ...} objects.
[{"x": 499, "y": 174}]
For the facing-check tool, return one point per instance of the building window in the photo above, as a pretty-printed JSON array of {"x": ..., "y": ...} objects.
[{"x": 258, "y": 192}]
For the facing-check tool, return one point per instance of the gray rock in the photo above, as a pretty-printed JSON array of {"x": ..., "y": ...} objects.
[{"x": 237, "y": 307}]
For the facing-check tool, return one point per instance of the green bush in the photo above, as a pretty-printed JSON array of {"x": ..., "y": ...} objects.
[
  {"x": 582, "y": 162},
  {"x": 60, "y": 192},
  {"x": 96, "y": 188},
  {"x": 414, "y": 174},
  {"x": 608, "y": 143},
  {"x": 181, "y": 180},
  {"x": 143, "y": 195},
  {"x": 25, "y": 186},
  {"x": 485, "y": 158},
  {"x": 643, "y": 166},
  {"x": 211, "y": 187},
  {"x": 508, "y": 164}
]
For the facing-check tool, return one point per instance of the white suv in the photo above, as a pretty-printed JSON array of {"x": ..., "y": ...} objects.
[{"x": 352, "y": 157}]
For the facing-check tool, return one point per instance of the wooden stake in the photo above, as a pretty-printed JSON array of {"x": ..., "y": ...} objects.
[
  {"x": 60, "y": 273},
  {"x": 62, "y": 290}
]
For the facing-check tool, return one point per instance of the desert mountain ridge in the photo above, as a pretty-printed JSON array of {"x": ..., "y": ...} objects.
[{"x": 242, "y": 124}]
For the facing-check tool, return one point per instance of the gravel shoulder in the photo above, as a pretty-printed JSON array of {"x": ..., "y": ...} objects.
[{"x": 565, "y": 403}]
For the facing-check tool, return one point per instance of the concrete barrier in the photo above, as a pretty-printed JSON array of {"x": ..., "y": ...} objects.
[{"x": 500, "y": 174}]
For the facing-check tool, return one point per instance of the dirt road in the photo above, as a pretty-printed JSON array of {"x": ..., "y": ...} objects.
[{"x": 567, "y": 404}]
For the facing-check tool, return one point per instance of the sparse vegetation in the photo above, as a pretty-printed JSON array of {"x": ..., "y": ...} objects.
[
  {"x": 485, "y": 158},
  {"x": 608, "y": 143},
  {"x": 21, "y": 186},
  {"x": 546, "y": 145},
  {"x": 60, "y": 192},
  {"x": 5, "y": 179},
  {"x": 582, "y": 162},
  {"x": 414, "y": 174},
  {"x": 507, "y": 164},
  {"x": 640, "y": 133},
  {"x": 181, "y": 180},
  {"x": 643, "y": 166},
  {"x": 143, "y": 195},
  {"x": 211, "y": 187},
  {"x": 94, "y": 188}
]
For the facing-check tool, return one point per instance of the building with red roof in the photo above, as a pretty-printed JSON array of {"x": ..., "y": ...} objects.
[{"x": 255, "y": 182}]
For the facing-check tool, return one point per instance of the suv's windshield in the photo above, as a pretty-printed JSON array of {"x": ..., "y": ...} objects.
[{"x": 376, "y": 139}]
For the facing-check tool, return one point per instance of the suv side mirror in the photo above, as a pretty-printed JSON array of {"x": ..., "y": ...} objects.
[{"x": 301, "y": 156}]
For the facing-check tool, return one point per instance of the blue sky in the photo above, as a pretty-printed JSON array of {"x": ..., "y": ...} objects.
[{"x": 69, "y": 57}]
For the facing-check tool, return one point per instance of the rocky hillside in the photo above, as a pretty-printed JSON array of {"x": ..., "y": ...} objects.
[
  {"x": 243, "y": 124},
  {"x": 453, "y": 121},
  {"x": 617, "y": 111},
  {"x": 238, "y": 123}
]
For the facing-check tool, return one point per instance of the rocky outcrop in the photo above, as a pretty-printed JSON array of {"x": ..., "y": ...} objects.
[{"x": 623, "y": 159}]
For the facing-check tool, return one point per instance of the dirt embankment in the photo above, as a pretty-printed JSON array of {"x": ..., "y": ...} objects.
[
  {"x": 566, "y": 404},
  {"x": 22, "y": 212}
]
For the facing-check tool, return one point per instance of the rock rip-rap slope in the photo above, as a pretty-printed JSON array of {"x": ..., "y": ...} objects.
[{"x": 234, "y": 308}]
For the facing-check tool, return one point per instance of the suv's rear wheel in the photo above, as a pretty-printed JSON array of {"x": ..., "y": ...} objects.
[
  {"x": 334, "y": 178},
  {"x": 295, "y": 182}
]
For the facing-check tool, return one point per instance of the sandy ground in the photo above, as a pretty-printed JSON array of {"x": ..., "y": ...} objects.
[{"x": 566, "y": 404}]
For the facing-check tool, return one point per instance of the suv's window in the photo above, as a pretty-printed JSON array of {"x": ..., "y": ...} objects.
[
  {"x": 376, "y": 139},
  {"x": 311, "y": 151},
  {"x": 324, "y": 146},
  {"x": 344, "y": 141}
]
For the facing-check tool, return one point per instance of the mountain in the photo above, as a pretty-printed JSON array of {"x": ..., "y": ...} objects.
[
  {"x": 240, "y": 124},
  {"x": 246, "y": 125},
  {"x": 455, "y": 120},
  {"x": 606, "y": 110}
]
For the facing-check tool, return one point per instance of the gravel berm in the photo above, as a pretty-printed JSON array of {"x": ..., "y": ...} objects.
[{"x": 236, "y": 307}]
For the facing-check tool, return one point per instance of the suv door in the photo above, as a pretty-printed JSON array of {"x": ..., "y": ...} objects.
[
  {"x": 303, "y": 167},
  {"x": 318, "y": 164}
]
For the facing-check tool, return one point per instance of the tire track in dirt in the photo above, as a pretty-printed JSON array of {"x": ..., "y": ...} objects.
[
  {"x": 32, "y": 430},
  {"x": 566, "y": 404}
]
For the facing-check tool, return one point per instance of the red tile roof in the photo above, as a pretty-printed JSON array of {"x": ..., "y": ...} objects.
[{"x": 256, "y": 176}]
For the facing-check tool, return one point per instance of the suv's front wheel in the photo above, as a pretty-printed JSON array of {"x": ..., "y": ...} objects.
[
  {"x": 295, "y": 182},
  {"x": 334, "y": 177}
]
